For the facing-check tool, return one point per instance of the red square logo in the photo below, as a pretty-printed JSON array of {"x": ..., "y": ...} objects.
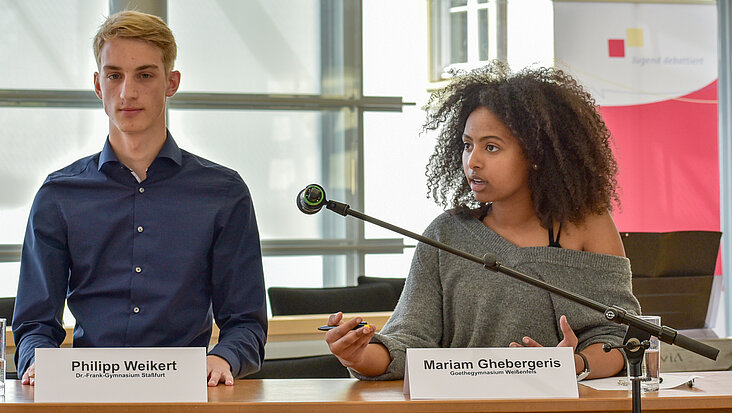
[{"x": 616, "y": 47}]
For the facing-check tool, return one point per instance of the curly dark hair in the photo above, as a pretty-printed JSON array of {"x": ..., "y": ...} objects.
[{"x": 557, "y": 125}]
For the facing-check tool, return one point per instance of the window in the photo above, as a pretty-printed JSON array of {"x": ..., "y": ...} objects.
[
  {"x": 267, "y": 46},
  {"x": 466, "y": 34},
  {"x": 284, "y": 109},
  {"x": 321, "y": 109},
  {"x": 46, "y": 44}
]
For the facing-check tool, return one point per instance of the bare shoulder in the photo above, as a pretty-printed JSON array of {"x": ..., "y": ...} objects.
[{"x": 599, "y": 234}]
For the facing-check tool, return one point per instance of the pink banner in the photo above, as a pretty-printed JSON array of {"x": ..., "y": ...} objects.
[
  {"x": 653, "y": 70},
  {"x": 668, "y": 159}
]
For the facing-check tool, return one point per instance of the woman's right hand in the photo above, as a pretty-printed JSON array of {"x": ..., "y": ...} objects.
[{"x": 347, "y": 344}]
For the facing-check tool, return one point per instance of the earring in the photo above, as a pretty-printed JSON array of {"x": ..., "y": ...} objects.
[{"x": 536, "y": 167}]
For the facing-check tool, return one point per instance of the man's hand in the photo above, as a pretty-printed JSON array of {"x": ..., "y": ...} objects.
[
  {"x": 29, "y": 377},
  {"x": 218, "y": 370}
]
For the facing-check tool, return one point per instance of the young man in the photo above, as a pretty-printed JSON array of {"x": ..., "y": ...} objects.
[{"x": 145, "y": 241}]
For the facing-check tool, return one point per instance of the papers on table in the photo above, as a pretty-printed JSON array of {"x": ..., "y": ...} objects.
[{"x": 668, "y": 381}]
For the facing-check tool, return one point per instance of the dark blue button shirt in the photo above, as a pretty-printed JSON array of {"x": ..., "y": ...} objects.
[{"x": 143, "y": 264}]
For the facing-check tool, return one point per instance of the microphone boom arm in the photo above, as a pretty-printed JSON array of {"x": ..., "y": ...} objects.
[{"x": 612, "y": 313}]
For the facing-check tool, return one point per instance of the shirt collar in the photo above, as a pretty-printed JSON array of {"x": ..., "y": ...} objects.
[{"x": 169, "y": 150}]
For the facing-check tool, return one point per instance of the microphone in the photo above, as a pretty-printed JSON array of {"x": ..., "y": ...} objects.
[{"x": 311, "y": 199}]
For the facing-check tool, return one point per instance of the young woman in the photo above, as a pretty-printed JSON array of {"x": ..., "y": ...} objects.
[{"x": 524, "y": 167}]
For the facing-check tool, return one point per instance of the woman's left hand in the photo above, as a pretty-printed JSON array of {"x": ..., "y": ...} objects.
[
  {"x": 603, "y": 364},
  {"x": 569, "y": 340}
]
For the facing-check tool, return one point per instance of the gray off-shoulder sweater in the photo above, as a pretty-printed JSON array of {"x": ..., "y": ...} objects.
[{"x": 449, "y": 301}]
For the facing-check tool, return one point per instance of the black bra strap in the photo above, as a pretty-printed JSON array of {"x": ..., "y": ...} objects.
[{"x": 552, "y": 241}]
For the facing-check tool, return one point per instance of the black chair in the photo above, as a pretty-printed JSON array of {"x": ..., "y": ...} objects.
[
  {"x": 7, "y": 304},
  {"x": 313, "y": 367},
  {"x": 362, "y": 298},
  {"x": 673, "y": 274},
  {"x": 6, "y": 308},
  {"x": 293, "y": 301},
  {"x": 396, "y": 284}
]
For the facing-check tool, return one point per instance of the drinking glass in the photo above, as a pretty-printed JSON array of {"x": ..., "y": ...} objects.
[{"x": 651, "y": 366}]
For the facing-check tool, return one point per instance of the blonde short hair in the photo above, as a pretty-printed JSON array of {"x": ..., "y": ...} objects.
[{"x": 130, "y": 24}]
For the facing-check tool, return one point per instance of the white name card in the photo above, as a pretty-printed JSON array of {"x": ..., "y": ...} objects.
[
  {"x": 127, "y": 375},
  {"x": 490, "y": 373}
]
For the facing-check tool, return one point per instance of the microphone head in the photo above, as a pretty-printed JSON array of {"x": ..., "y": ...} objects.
[{"x": 311, "y": 199}]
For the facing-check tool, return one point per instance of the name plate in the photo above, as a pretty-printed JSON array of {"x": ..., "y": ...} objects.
[
  {"x": 490, "y": 373},
  {"x": 126, "y": 375}
]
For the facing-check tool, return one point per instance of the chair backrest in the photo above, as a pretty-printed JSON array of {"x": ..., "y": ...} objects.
[
  {"x": 673, "y": 274},
  {"x": 362, "y": 298},
  {"x": 671, "y": 254},
  {"x": 6, "y": 308},
  {"x": 6, "y": 311},
  {"x": 312, "y": 367},
  {"x": 396, "y": 284}
]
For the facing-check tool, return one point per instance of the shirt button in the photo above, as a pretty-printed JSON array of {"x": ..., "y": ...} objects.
[
  {"x": 138, "y": 269},
  {"x": 139, "y": 229},
  {"x": 141, "y": 189},
  {"x": 136, "y": 310}
]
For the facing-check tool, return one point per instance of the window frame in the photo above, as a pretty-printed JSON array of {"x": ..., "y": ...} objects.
[{"x": 440, "y": 35}]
